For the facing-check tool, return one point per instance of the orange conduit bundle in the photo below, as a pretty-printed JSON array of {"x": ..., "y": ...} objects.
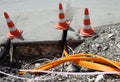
[{"x": 90, "y": 61}]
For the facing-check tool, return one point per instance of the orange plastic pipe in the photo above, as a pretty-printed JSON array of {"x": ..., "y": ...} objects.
[
  {"x": 102, "y": 59},
  {"x": 74, "y": 59},
  {"x": 87, "y": 64},
  {"x": 96, "y": 66}
]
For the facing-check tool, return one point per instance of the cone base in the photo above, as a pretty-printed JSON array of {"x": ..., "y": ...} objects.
[
  {"x": 63, "y": 27},
  {"x": 16, "y": 35},
  {"x": 87, "y": 32}
]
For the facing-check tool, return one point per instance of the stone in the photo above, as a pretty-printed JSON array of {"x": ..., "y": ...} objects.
[
  {"x": 118, "y": 45},
  {"x": 37, "y": 64},
  {"x": 99, "y": 78},
  {"x": 90, "y": 79},
  {"x": 95, "y": 46},
  {"x": 110, "y": 35},
  {"x": 72, "y": 68},
  {"x": 27, "y": 75}
]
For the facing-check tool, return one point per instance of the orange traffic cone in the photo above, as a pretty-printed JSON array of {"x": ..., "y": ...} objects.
[
  {"x": 87, "y": 30},
  {"x": 14, "y": 32},
  {"x": 63, "y": 24}
]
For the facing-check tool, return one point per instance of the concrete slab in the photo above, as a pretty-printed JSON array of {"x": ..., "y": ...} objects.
[{"x": 37, "y": 18}]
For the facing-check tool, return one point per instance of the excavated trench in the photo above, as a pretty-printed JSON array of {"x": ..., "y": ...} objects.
[
  {"x": 27, "y": 51},
  {"x": 18, "y": 55},
  {"x": 18, "y": 52}
]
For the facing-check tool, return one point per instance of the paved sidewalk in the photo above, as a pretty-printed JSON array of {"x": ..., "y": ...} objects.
[{"x": 37, "y": 18}]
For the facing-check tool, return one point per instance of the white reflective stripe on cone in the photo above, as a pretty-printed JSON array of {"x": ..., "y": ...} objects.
[
  {"x": 62, "y": 20},
  {"x": 87, "y": 26},
  {"x": 12, "y": 29},
  {"x": 61, "y": 11},
  {"x": 8, "y": 20},
  {"x": 86, "y": 17}
]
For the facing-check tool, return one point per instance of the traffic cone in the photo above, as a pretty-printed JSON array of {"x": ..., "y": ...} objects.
[
  {"x": 63, "y": 24},
  {"x": 87, "y": 30},
  {"x": 14, "y": 32}
]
